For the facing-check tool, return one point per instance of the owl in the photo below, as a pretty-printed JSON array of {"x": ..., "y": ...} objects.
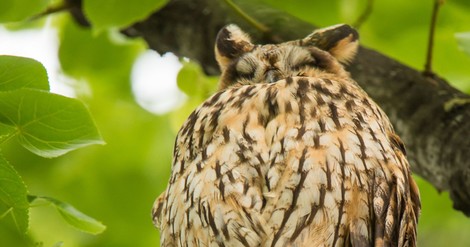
[{"x": 289, "y": 152}]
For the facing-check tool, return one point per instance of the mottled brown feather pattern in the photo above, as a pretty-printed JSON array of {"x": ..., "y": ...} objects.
[{"x": 290, "y": 152}]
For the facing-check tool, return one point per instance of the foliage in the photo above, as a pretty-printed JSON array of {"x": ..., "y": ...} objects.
[
  {"x": 48, "y": 125},
  {"x": 72, "y": 216},
  {"x": 13, "y": 196},
  {"x": 464, "y": 41},
  {"x": 16, "y": 10},
  {"x": 113, "y": 13},
  {"x": 118, "y": 182}
]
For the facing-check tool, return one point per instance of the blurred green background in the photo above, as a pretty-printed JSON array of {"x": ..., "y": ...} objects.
[{"x": 118, "y": 182}]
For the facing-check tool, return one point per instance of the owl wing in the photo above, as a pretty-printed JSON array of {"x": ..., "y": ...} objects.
[{"x": 301, "y": 162}]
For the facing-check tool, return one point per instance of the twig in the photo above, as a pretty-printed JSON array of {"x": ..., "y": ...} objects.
[
  {"x": 51, "y": 10},
  {"x": 365, "y": 14},
  {"x": 428, "y": 66},
  {"x": 258, "y": 25}
]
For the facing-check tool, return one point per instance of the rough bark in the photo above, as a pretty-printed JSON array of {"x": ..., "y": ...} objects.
[{"x": 432, "y": 118}]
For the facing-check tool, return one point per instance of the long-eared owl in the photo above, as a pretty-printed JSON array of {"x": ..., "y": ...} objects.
[{"x": 289, "y": 152}]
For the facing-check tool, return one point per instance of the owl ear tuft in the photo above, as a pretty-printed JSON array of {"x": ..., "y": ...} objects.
[
  {"x": 231, "y": 43},
  {"x": 341, "y": 41}
]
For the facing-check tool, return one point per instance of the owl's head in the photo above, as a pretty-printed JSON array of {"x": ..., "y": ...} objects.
[{"x": 323, "y": 51}]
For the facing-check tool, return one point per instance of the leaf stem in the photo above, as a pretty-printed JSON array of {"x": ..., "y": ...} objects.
[{"x": 43, "y": 201}]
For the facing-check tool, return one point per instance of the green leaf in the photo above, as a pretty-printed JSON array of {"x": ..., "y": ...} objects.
[
  {"x": 13, "y": 197},
  {"x": 118, "y": 13},
  {"x": 464, "y": 41},
  {"x": 22, "y": 72},
  {"x": 83, "y": 54},
  {"x": 17, "y": 10},
  {"x": 462, "y": 3},
  {"x": 193, "y": 82},
  {"x": 98, "y": 59},
  {"x": 58, "y": 244},
  {"x": 48, "y": 124},
  {"x": 188, "y": 79},
  {"x": 74, "y": 217},
  {"x": 6, "y": 132}
]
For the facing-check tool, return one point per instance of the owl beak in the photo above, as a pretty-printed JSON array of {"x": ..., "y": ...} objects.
[{"x": 273, "y": 75}]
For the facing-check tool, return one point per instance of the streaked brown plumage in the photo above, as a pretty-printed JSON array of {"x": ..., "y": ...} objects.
[{"x": 289, "y": 152}]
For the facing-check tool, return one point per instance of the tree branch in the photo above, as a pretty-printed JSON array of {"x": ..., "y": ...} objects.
[{"x": 432, "y": 118}]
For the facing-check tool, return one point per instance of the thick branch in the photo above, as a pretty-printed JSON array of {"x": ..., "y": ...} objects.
[{"x": 432, "y": 118}]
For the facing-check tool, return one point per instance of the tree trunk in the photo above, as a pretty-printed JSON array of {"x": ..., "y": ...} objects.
[{"x": 432, "y": 118}]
